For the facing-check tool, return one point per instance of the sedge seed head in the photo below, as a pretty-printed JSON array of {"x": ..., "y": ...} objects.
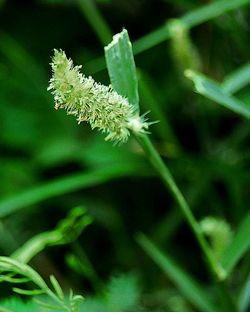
[{"x": 99, "y": 105}]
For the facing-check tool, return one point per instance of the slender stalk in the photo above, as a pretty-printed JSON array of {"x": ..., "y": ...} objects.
[{"x": 169, "y": 182}]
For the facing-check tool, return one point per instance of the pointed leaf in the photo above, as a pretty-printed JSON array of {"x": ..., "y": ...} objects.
[
  {"x": 33, "y": 292},
  {"x": 57, "y": 287},
  {"x": 240, "y": 244},
  {"x": 215, "y": 92},
  {"x": 64, "y": 185},
  {"x": 237, "y": 79},
  {"x": 244, "y": 297},
  {"x": 121, "y": 68},
  {"x": 13, "y": 280},
  {"x": 187, "y": 285}
]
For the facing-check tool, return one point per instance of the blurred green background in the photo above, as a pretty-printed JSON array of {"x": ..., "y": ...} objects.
[{"x": 50, "y": 165}]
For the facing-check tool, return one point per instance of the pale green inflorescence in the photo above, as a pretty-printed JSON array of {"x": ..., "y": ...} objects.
[{"x": 90, "y": 101}]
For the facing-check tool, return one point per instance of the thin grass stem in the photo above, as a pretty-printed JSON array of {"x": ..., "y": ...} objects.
[{"x": 170, "y": 183}]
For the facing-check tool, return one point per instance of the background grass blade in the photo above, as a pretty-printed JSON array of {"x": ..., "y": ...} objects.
[
  {"x": 49, "y": 164},
  {"x": 237, "y": 80},
  {"x": 121, "y": 67},
  {"x": 244, "y": 297},
  {"x": 238, "y": 247},
  {"x": 149, "y": 101},
  {"x": 212, "y": 10},
  {"x": 95, "y": 19},
  {"x": 65, "y": 232},
  {"x": 189, "y": 288},
  {"x": 64, "y": 185},
  {"x": 215, "y": 92},
  {"x": 191, "y": 19}
]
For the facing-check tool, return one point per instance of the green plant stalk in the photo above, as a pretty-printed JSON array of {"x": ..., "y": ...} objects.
[
  {"x": 165, "y": 229},
  {"x": 35, "y": 245},
  {"x": 155, "y": 159}
]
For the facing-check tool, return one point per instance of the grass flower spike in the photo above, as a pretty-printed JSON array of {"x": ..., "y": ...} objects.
[{"x": 99, "y": 105}]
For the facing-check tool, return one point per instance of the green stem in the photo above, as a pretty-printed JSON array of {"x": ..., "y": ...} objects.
[{"x": 169, "y": 182}]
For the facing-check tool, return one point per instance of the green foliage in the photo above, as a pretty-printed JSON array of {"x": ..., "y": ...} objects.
[
  {"x": 239, "y": 245},
  {"x": 13, "y": 304},
  {"x": 213, "y": 91},
  {"x": 237, "y": 80},
  {"x": 67, "y": 231},
  {"x": 190, "y": 288},
  {"x": 219, "y": 233},
  {"x": 49, "y": 164},
  {"x": 121, "y": 294},
  {"x": 13, "y": 267},
  {"x": 99, "y": 105},
  {"x": 244, "y": 296},
  {"x": 64, "y": 185},
  {"x": 191, "y": 19},
  {"x": 184, "y": 52},
  {"x": 121, "y": 68}
]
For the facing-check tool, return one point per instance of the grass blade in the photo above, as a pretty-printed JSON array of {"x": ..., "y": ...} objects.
[
  {"x": 237, "y": 80},
  {"x": 148, "y": 96},
  {"x": 191, "y": 19},
  {"x": 244, "y": 297},
  {"x": 13, "y": 280},
  {"x": 190, "y": 288},
  {"x": 57, "y": 287},
  {"x": 65, "y": 232},
  {"x": 65, "y": 185},
  {"x": 213, "y": 91},
  {"x": 21, "y": 59},
  {"x": 95, "y": 19},
  {"x": 239, "y": 245},
  {"x": 211, "y": 11},
  {"x": 121, "y": 68},
  {"x": 14, "y": 303},
  {"x": 27, "y": 292}
]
